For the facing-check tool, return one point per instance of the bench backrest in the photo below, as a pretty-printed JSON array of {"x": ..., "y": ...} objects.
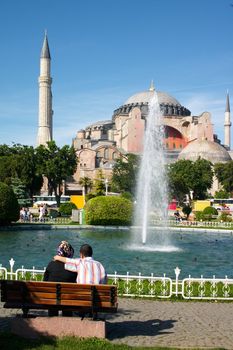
[{"x": 97, "y": 297}]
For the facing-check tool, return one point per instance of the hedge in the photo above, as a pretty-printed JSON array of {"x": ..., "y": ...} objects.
[
  {"x": 108, "y": 210},
  {"x": 9, "y": 207},
  {"x": 66, "y": 208}
]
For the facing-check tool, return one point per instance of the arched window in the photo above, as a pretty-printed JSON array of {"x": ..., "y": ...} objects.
[
  {"x": 114, "y": 155},
  {"x": 106, "y": 153}
]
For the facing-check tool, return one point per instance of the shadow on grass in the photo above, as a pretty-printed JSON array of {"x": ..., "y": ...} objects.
[{"x": 14, "y": 342}]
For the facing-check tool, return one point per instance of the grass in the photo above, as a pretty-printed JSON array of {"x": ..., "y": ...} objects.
[{"x": 13, "y": 342}]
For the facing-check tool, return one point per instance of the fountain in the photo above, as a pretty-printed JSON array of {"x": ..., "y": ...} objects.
[{"x": 151, "y": 200}]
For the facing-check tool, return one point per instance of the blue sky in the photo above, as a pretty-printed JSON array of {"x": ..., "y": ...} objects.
[{"x": 104, "y": 51}]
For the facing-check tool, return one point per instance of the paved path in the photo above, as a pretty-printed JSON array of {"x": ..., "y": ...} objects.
[
  {"x": 165, "y": 323},
  {"x": 172, "y": 324}
]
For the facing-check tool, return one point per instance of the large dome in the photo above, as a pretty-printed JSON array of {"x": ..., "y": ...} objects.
[
  {"x": 208, "y": 150},
  {"x": 169, "y": 106},
  {"x": 145, "y": 97}
]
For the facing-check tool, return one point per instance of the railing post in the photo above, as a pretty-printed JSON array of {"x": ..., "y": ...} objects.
[
  {"x": 115, "y": 277},
  {"x": 12, "y": 262},
  {"x": 177, "y": 272}
]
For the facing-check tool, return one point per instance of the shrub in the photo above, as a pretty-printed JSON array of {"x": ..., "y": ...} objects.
[
  {"x": 108, "y": 210},
  {"x": 53, "y": 213},
  {"x": 89, "y": 196},
  {"x": 199, "y": 216},
  {"x": 127, "y": 195},
  {"x": 9, "y": 207},
  {"x": 209, "y": 213},
  {"x": 66, "y": 208},
  {"x": 225, "y": 217}
]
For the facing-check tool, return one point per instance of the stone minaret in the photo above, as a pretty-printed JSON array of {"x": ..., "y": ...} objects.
[
  {"x": 45, "y": 97},
  {"x": 227, "y": 124}
]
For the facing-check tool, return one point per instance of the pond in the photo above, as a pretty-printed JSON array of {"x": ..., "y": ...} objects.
[{"x": 194, "y": 253}]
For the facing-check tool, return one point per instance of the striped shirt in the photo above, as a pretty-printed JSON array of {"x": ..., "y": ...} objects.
[{"x": 89, "y": 271}]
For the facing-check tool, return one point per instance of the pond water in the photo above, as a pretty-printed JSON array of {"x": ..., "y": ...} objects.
[{"x": 194, "y": 253}]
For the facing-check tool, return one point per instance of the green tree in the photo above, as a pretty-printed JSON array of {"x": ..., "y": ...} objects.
[
  {"x": 224, "y": 174},
  {"x": 86, "y": 182},
  {"x": 124, "y": 175},
  {"x": 99, "y": 186},
  {"x": 56, "y": 164},
  {"x": 20, "y": 162},
  {"x": 202, "y": 178},
  {"x": 5, "y": 169},
  {"x": 185, "y": 176},
  {"x": 21, "y": 192},
  {"x": 28, "y": 169},
  {"x": 9, "y": 207},
  {"x": 179, "y": 176},
  {"x": 221, "y": 194}
]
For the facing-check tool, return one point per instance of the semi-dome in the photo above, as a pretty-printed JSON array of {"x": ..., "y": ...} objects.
[
  {"x": 145, "y": 97},
  {"x": 205, "y": 149},
  {"x": 100, "y": 123}
]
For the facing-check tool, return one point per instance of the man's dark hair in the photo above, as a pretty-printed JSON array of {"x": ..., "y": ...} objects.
[{"x": 86, "y": 250}]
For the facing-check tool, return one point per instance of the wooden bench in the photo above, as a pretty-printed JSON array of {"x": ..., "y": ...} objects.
[{"x": 85, "y": 298}]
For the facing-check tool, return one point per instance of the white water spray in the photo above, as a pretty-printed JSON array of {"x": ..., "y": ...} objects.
[{"x": 151, "y": 203}]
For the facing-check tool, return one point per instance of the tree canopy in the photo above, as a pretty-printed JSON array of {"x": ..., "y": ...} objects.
[
  {"x": 20, "y": 162},
  {"x": 9, "y": 207},
  {"x": 124, "y": 176},
  {"x": 224, "y": 174},
  {"x": 86, "y": 182},
  {"x": 185, "y": 176},
  {"x": 56, "y": 164}
]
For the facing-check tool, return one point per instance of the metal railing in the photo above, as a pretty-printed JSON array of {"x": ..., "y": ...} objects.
[
  {"x": 161, "y": 287},
  {"x": 208, "y": 224},
  {"x": 47, "y": 220}
]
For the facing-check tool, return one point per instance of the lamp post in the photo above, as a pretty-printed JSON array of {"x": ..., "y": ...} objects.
[
  {"x": 191, "y": 194},
  {"x": 106, "y": 187}
]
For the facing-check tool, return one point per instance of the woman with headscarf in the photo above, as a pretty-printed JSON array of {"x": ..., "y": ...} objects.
[{"x": 55, "y": 272}]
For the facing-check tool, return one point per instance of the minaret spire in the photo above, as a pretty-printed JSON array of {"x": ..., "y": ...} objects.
[
  {"x": 227, "y": 103},
  {"x": 227, "y": 123},
  {"x": 45, "y": 53},
  {"x": 45, "y": 96}
]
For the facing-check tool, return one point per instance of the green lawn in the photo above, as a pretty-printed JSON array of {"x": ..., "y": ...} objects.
[{"x": 13, "y": 342}]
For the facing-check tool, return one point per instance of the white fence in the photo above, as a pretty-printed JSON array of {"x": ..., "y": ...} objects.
[
  {"x": 147, "y": 286},
  {"x": 207, "y": 224}
]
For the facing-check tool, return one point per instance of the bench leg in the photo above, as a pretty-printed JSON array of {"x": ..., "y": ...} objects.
[
  {"x": 52, "y": 312},
  {"x": 25, "y": 312},
  {"x": 67, "y": 313}
]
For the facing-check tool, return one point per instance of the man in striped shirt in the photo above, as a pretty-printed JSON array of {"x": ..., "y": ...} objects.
[{"x": 89, "y": 271}]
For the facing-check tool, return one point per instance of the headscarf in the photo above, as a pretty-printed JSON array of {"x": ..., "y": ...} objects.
[{"x": 65, "y": 249}]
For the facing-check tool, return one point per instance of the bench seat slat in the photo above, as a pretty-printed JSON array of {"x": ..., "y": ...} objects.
[
  {"x": 46, "y": 295},
  {"x": 64, "y": 296}
]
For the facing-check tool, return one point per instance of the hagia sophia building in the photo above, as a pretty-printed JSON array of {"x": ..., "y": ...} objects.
[{"x": 98, "y": 146}]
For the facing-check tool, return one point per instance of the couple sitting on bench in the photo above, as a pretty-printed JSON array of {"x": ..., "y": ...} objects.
[{"x": 83, "y": 270}]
